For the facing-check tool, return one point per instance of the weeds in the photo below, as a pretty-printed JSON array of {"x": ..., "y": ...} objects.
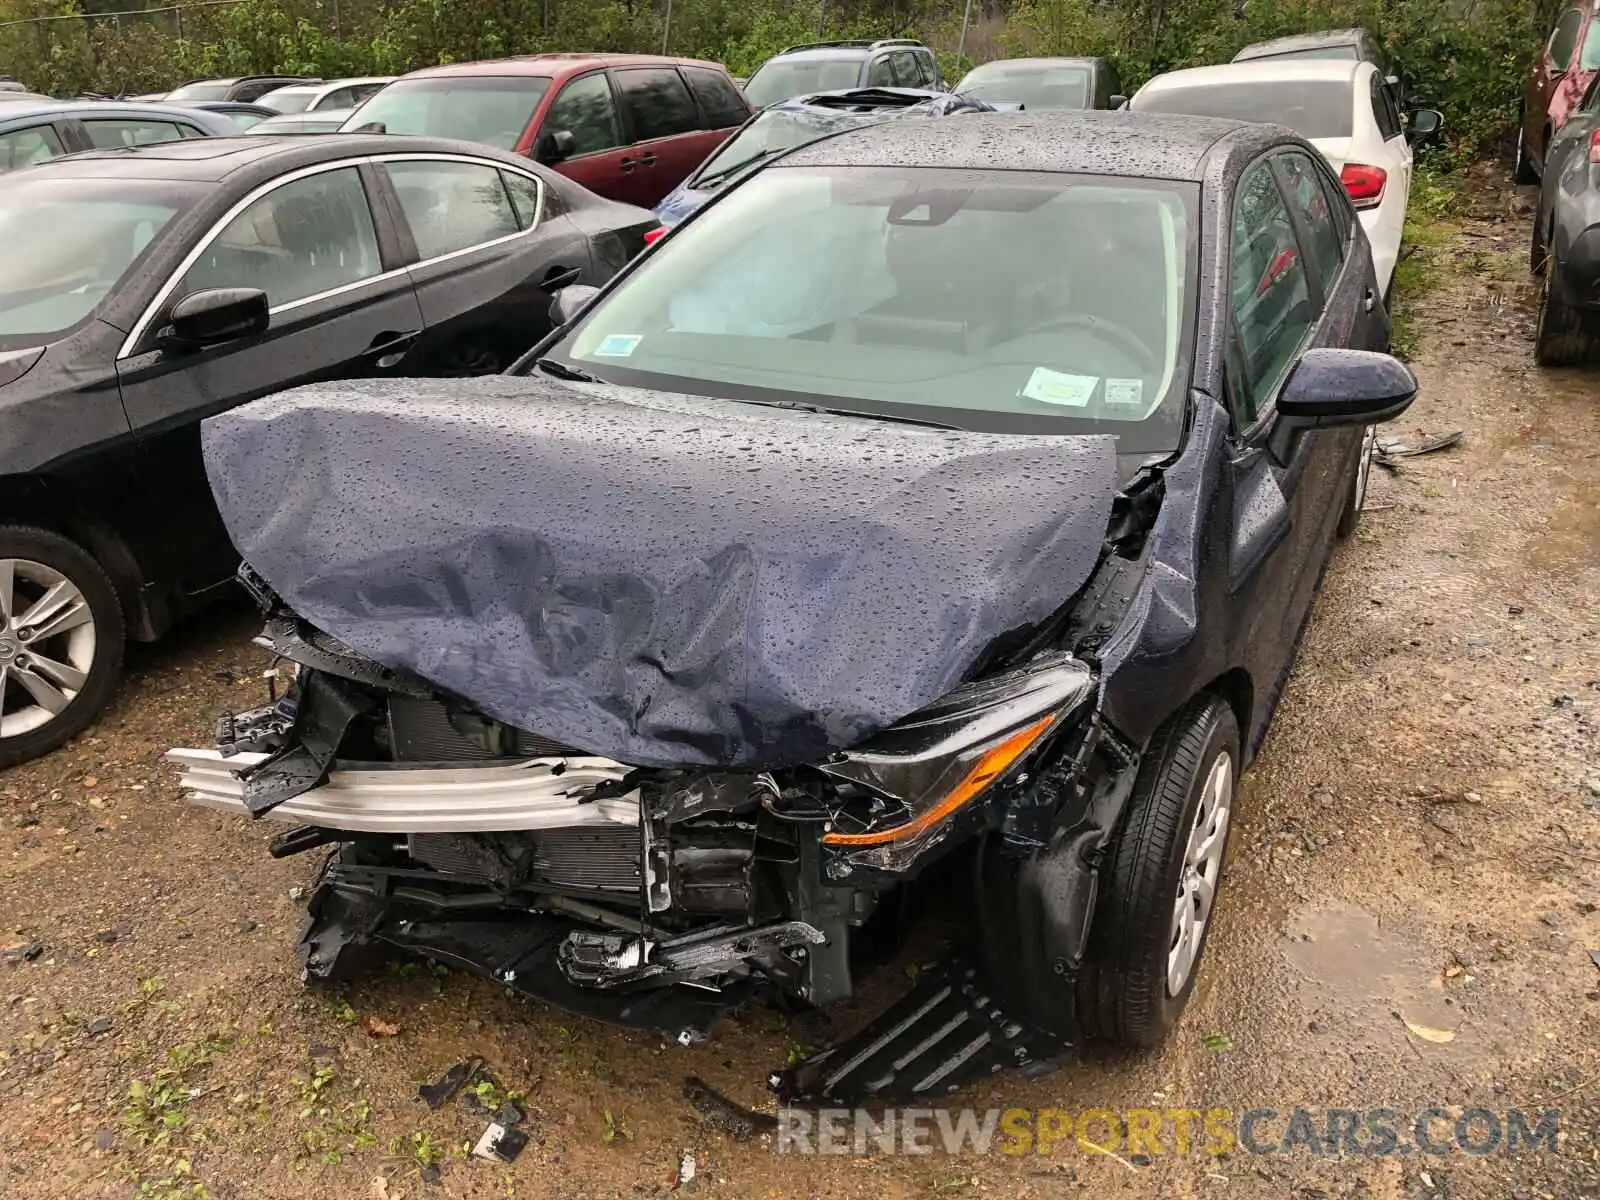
[{"x": 1419, "y": 272}]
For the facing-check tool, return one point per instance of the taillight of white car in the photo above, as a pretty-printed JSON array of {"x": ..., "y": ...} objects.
[{"x": 1365, "y": 184}]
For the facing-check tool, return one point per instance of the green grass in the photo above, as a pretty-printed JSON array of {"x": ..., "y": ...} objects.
[{"x": 1420, "y": 270}]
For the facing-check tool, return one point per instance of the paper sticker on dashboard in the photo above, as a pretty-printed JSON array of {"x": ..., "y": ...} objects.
[
  {"x": 618, "y": 345},
  {"x": 1125, "y": 391},
  {"x": 1055, "y": 387}
]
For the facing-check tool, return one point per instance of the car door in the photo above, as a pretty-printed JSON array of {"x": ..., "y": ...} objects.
[
  {"x": 489, "y": 247},
  {"x": 1282, "y": 267},
  {"x": 342, "y": 306},
  {"x": 586, "y": 108},
  {"x": 663, "y": 127}
]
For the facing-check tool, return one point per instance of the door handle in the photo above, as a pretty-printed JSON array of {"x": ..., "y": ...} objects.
[
  {"x": 390, "y": 348},
  {"x": 648, "y": 159},
  {"x": 625, "y": 164},
  {"x": 1370, "y": 299}
]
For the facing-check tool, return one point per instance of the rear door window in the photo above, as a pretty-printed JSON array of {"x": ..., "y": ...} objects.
[
  {"x": 113, "y": 135},
  {"x": 1303, "y": 183},
  {"x": 586, "y": 109},
  {"x": 720, "y": 102},
  {"x": 452, "y": 206},
  {"x": 24, "y": 147},
  {"x": 881, "y": 73},
  {"x": 658, "y": 103},
  {"x": 1564, "y": 39},
  {"x": 1273, "y": 309}
]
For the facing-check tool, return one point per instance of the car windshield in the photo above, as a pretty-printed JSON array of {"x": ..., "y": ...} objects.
[
  {"x": 492, "y": 109},
  {"x": 994, "y": 300},
  {"x": 786, "y": 78},
  {"x": 49, "y": 283},
  {"x": 1313, "y": 108},
  {"x": 211, "y": 89},
  {"x": 773, "y": 132},
  {"x": 289, "y": 100},
  {"x": 1035, "y": 87}
]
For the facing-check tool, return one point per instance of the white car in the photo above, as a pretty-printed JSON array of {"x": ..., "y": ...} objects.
[
  {"x": 1341, "y": 107},
  {"x": 328, "y": 94}
]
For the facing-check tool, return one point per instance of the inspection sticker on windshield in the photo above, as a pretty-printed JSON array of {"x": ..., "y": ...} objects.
[
  {"x": 1054, "y": 387},
  {"x": 618, "y": 345},
  {"x": 1125, "y": 391}
]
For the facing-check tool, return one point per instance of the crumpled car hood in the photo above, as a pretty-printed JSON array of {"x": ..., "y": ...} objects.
[{"x": 664, "y": 580}]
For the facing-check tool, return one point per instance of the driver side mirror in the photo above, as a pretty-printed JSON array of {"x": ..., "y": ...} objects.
[
  {"x": 554, "y": 146},
  {"x": 216, "y": 315},
  {"x": 1332, "y": 387},
  {"x": 1117, "y": 102},
  {"x": 1424, "y": 125},
  {"x": 568, "y": 303}
]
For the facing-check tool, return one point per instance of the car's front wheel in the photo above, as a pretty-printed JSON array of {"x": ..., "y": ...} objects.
[
  {"x": 61, "y": 641},
  {"x": 1151, "y": 909},
  {"x": 1163, "y": 873}
]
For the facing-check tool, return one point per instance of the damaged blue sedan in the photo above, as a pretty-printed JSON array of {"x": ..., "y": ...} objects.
[{"x": 947, "y": 499}]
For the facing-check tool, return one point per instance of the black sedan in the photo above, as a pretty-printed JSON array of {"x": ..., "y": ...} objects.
[
  {"x": 1566, "y": 240},
  {"x": 947, "y": 494},
  {"x": 202, "y": 273}
]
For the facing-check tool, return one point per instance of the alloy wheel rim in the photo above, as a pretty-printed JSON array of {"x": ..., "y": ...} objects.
[
  {"x": 47, "y": 645},
  {"x": 1200, "y": 874},
  {"x": 1369, "y": 442}
]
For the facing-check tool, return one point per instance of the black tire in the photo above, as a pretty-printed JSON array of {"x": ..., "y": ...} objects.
[
  {"x": 1565, "y": 336},
  {"x": 66, "y": 558},
  {"x": 1523, "y": 173},
  {"x": 1356, "y": 497},
  {"x": 1122, "y": 989},
  {"x": 1031, "y": 915}
]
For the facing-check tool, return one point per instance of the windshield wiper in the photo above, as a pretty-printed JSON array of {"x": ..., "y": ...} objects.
[
  {"x": 797, "y": 406},
  {"x": 721, "y": 176},
  {"x": 561, "y": 371}
]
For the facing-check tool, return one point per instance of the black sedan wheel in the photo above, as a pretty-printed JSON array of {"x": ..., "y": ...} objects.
[
  {"x": 1565, "y": 336},
  {"x": 1163, "y": 872},
  {"x": 1356, "y": 500},
  {"x": 61, "y": 641}
]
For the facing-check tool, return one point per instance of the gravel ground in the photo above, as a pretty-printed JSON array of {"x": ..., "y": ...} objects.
[{"x": 1409, "y": 920}]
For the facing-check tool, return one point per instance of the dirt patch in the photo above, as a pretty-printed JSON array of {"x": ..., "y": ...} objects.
[{"x": 1417, "y": 849}]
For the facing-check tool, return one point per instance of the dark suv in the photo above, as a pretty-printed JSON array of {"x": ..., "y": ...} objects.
[
  {"x": 831, "y": 66},
  {"x": 628, "y": 127}
]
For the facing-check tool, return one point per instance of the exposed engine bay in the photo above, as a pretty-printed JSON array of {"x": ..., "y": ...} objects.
[{"x": 652, "y": 897}]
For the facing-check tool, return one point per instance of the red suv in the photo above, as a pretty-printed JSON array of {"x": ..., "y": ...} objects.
[
  {"x": 628, "y": 126},
  {"x": 1556, "y": 86}
]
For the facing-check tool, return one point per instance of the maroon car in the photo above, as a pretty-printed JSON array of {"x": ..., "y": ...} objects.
[
  {"x": 1561, "y": 75},
  {"x": 627, "y": 126}
]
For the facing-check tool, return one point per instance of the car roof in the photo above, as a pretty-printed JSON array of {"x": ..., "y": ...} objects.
[
  {"x": 16, "y": 113},
  {"x": 555, "y": 65},
  {"x": 1137, "y": 145},
  {"x": 211, "y": 160},
  {"x": 1267, "y": 70},
  {"x": 1303, "y": 41}
]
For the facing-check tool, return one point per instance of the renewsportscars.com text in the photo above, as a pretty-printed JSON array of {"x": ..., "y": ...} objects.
[{"x": 1150, "y": 1132}]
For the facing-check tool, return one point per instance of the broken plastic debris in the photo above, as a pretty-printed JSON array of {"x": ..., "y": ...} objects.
[
  {"x": 1387, "y": 452},
  {"x": 439, "y": 1093},
  {"x": 1428, "y": 1034},
  {"x": 499, "y": 1144},
  {"x": 686, "y": 1169}
]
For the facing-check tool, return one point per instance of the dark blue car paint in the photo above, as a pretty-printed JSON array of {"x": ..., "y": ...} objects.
[{"x": 686, "y": 197}]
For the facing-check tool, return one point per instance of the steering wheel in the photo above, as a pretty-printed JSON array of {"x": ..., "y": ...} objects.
[{"x": 1108, "y": 331}]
